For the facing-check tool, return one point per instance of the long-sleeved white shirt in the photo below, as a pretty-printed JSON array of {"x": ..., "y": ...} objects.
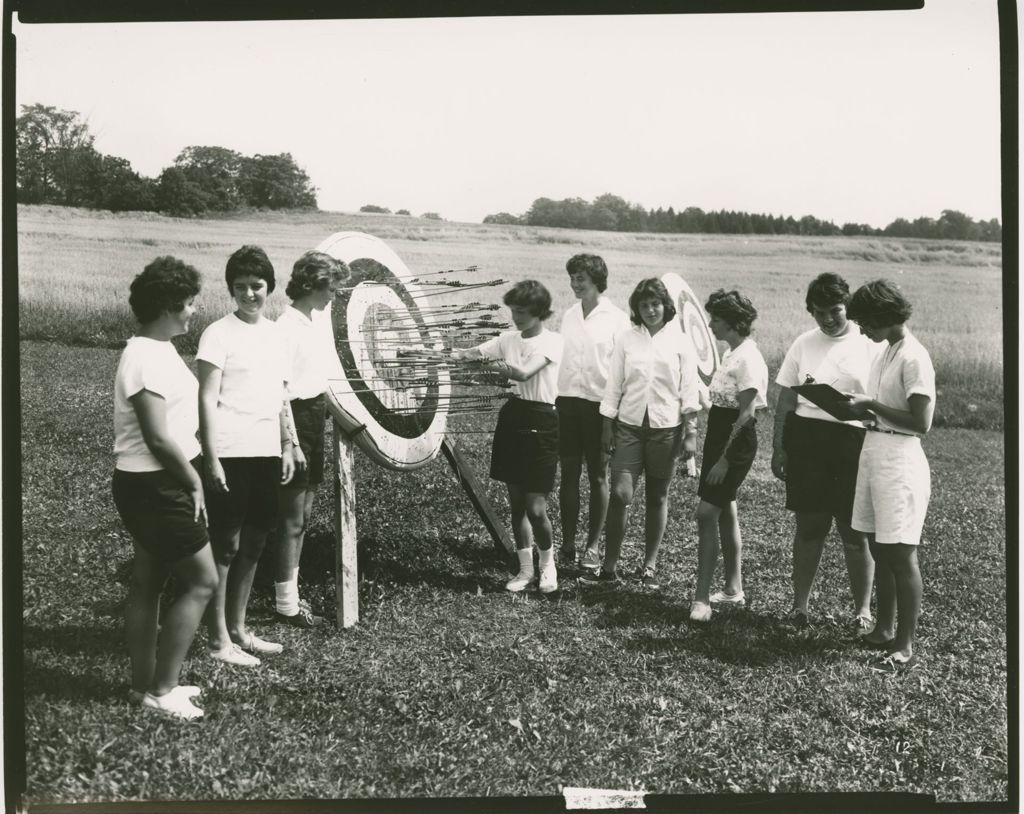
[
  {"x": 588, "y": 348},
  {"x": 656, "y": 374}
]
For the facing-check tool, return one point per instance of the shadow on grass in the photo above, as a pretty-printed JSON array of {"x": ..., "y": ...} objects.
[
  {"x": 48, "y": 649},
  {"x": 453, "y": 564},
  {"x": 741, "y": 637}
]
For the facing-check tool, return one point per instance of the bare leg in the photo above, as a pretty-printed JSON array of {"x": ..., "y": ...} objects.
[
  {"x": 521, "y": 529},
  {"x": 707, "y": 551},
  {"x": 537, "y": 515},
  {"x": 615, "y": 529},
  {"x": 903, "y": 560},
  {"x": 569, "y": 499},
  {"x": 885, "y": 590},
  {"x": 198, "y": 576},
  {"x": 225, "y": 548},
  {"x": 141, "y": 615},
  {"x": 655, "y": 518},
  {"x": 860, "y": 566},
  {"x": 239, "y": 581},
  {"x": 732, "y": 548},
  {"x": 808, "y": 542},
  {"x": 296, "y": 505},
  {"x": 599, "y": 496}
]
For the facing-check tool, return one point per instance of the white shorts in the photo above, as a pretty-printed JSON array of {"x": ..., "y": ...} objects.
[{"x": 894, "y": 484}]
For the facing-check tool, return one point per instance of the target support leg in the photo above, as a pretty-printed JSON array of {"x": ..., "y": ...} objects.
[
  {"x": 478, "y": 497},
  {"x": 346, "y": 572}
]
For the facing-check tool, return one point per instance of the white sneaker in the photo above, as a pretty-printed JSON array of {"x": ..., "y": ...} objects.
[
  {"x": 722, "y": 598},
  {"x": 520, "y": 581},
  {"x": 700, "y": 612},
  {"x": 189, "y": 690},
  {"x": 233, "y": 654},
  {"x": 175, "y": 704},
  {"x": 548, "y": 579},
  {"x": 591, "y": 560}
]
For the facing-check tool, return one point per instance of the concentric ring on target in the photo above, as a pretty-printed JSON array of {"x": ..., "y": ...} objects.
[
  {"x": 694, "y": 323},
  {"x": 396, "y": 413}
]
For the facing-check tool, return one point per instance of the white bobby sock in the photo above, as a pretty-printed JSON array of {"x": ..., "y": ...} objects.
[
  {"x": 525, "y": 556},
  {"x": 287, "y": 596},
  {"x": 546, "y": 557}
]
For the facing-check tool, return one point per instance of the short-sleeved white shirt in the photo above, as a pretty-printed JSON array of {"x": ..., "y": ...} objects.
[
  {"x": 253, "y": 360},
  {"x": 843, "y": 362},
  {"x": 153, "y": 365},
  {"x": 653, "y": 374},
  {"x": 741, "y": 368},
  {"x": 588, "y": 340},
  {"x": 312, "y": 355},
  {"x": 902, "y": 370},
  {"x": 511, "y": 347}
]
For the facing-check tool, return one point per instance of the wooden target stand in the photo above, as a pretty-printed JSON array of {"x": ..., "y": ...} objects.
[
  {"x": 398, "y": 426},
  {"x": 346, "y": 565}
]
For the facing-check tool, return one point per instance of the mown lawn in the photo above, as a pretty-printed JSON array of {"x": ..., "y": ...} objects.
[{"x": 448, "y": 686}]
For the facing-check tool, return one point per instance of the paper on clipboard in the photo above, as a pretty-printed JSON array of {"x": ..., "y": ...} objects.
[{"x": 828, "y": 399}]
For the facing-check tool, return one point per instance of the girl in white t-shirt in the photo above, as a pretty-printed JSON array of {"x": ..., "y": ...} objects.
[
  {"x": 893, "y": 477},
  {"x": 524, "y": 454},
  {"x": 248, "y": 442},
  {"x": 737, "y": 391},
  {"x": 306, "y": 325},
  {"x": 157, "y": 488}
]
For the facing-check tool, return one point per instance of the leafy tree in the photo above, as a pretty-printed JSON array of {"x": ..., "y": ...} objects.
[
  {"x": 178, "y": 195},
  {"x": 215, "y": 170},
  {"x": 53, "y": 146},
  {"x": 109, "y": 182},
  {"x": 274, "y": 182},
  {"x": 954, "y": 225},
  {"x": 383, "y": 210},
  {"x": 403, "y": 212},
  {"x": 503, "y": 217},
  {"x": 431, "y": 216}
]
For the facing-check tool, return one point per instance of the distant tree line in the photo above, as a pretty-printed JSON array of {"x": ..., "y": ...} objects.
[
  {"x": 58, "y": 164},
  {"x": 383, "y": 210},
  {"x": 612, "y": 213}
]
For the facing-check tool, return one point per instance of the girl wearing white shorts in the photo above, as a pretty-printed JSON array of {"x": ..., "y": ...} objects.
[{"x": 893, "y": 479}]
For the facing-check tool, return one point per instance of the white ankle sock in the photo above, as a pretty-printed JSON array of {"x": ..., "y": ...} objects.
[
  {"x": 287, "y": 596},
  {"x": 525, "y": 556},
  {"x": 546, "y": 557}
]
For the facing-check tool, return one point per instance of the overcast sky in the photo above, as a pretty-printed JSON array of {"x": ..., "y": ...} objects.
[{"x": 854, "y": 116}]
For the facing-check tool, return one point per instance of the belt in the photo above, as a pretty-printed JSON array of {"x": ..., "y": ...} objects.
[{"x": 874, "y": 428}]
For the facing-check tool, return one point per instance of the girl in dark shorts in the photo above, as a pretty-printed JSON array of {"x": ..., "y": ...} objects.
[
  {"x": 157, "y": 488},
  {"x": 306, "y": 324},
  {"x": 524, "y": 454},
  {"x": 737, "y": 390}
]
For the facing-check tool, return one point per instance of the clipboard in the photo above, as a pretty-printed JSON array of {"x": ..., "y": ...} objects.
[{"x": 828, "y": 399}]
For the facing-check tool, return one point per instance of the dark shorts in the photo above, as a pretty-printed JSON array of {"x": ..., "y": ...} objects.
[
  {"x": 159, "y": 513},
  {"x": 744, "y": 450},
  {"x": 650, "y": 450},
  {"x": 251, "y": 499},
  {"x": 309, "y": 415},
  {"x": 579, "y": 429},
  {"x": 525, "y": 448},
  {"x": 821, "y": 466}
]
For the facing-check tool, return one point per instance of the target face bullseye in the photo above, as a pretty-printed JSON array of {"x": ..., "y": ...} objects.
[
  {"x": 690, "y": 313},
  {"x": 394, "y": 406}
]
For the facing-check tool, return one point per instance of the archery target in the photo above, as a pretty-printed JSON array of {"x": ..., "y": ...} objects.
[
  {"x": 395, "y": 411},
  {"x": 693, "y": 321}
]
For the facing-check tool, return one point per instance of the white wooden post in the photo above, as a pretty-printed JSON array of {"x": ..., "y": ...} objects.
[{"x": 346, "y": 572}]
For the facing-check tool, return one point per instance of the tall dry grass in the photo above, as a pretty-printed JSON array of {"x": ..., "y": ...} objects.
[{"x": 75, "y": 267}]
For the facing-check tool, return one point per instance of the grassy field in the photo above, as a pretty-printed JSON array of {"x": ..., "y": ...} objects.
[
  {"x": 75, "y": 267},
  {"x": 451, "y": 687}
]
